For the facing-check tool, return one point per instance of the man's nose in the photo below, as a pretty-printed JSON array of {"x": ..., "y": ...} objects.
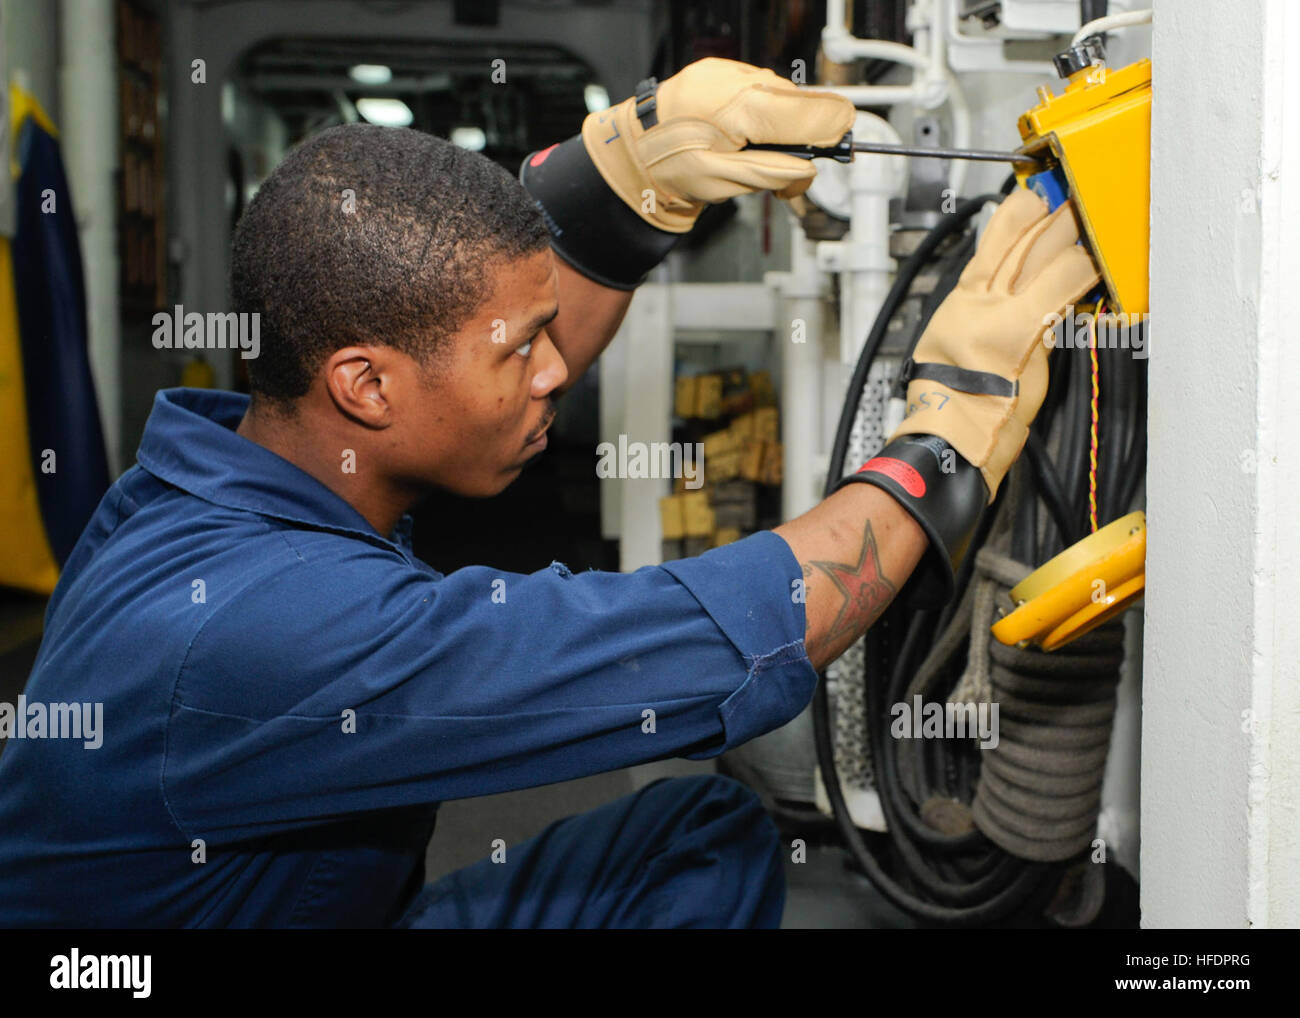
[{"x": 552, "y": 372}]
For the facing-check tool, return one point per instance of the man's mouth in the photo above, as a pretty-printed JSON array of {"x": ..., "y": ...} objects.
[
  {"x": 537, "y": 441},
  {"x": 537, "y": 444},
  {"x": 540, "y": 434}
]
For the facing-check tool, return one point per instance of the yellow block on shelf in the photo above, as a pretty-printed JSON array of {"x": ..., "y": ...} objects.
[
  {"x": 751, "y": 460},
  {"x": 719, "y": 442},
  {"x": 685, "y": 395},
  {"x": 742, "y": 428},
  {"x": 672, "y": 518},
  {"x": 697, "y": 514},
  {"x": 709, "y": 396},
  {"x": 722, "y": 466}
]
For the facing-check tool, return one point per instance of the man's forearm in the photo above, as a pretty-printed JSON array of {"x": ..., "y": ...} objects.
[
  {"x": 589, "y": 316},
  {"x": 857, "y": 548}
]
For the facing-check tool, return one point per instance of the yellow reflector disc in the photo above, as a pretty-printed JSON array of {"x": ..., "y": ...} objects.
[{"x": 1079, "y": 589}]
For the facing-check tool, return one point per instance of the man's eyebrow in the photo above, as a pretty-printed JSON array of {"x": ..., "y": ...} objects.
[{"x": 539, "y": 321}]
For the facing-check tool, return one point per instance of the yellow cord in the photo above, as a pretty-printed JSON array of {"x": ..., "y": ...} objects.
[{"x": 1096, "y": 386}]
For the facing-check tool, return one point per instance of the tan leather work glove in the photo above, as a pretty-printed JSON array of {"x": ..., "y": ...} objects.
[
  {"x": 979, "y": 372},
  {"x": 678, "y": 149}
]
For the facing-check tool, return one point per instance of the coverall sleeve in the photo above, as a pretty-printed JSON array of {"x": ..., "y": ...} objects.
[{"x": 329, "y": 687}]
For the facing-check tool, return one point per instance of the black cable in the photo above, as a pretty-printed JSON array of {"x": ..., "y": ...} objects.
[
  {"x": 967, "y": 568},
  {"x": 886, "y": 885},
  {"x": 971, "y": 858},
  {"x": 903, "y": 824},
  {"x": 1050, "y": 488},
  {"x": 1116, "y": 430},
  {"x": 946, "y": 283},
  {"x": 1136, "y": 463},
  {"x": 901, "y": 820},
  {"x": 907, "y": 664},
  {"x": 892, "y": 693},
  {"x": 1058, "y": 386},
  {"x": 1075, "y": 440},
  {"x": 1023, "y": 530}
]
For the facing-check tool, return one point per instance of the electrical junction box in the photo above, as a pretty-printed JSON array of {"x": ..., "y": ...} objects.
[{"x": 1095, "y": 139}]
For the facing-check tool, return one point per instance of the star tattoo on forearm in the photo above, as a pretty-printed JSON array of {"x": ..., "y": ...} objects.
[{"x": 863, "y": 590}]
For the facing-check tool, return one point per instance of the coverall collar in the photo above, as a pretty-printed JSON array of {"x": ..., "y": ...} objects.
[{"x": 190, "y": 442}]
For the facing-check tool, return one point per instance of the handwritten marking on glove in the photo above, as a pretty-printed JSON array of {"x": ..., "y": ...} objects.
[{"x": 924, "y": 401}]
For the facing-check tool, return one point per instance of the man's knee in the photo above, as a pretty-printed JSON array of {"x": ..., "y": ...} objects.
[
  {"x": 700, "y": 798},
  {"x": 720, "y": 860}
]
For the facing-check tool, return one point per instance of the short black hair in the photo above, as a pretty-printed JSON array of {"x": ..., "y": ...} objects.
[{"x": 368, "y": 234}]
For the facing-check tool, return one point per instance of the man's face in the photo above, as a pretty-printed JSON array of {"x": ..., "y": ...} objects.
[{"x": 483, "y": 416}]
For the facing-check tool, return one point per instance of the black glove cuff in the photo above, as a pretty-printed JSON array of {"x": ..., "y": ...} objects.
[
  {"x": 946, "y": 503},
  {"x": 591, "y": 227}
]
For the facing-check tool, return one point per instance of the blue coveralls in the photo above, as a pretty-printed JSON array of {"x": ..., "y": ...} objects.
[{"x": 288, "y": 695}]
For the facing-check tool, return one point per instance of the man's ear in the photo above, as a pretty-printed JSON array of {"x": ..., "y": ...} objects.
[{"x": 358, "y": 380}]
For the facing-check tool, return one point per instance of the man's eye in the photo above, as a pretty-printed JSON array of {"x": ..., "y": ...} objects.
[{"x": 524, "y": 350}]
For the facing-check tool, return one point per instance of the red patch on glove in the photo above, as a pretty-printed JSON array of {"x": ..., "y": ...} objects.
[
  {"x": 906, "y": 475},
  {"x": 540, "y": 157}
]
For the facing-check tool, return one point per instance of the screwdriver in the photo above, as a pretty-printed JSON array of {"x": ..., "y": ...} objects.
[{"x": 842, "y": 152}]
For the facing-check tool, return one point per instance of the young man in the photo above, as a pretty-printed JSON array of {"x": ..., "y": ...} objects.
[{"x": 288, "y": 692}]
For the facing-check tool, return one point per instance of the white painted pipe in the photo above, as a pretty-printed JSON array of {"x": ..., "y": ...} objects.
[
  {"x": 923, "y": 22},
  {"x": 931, "y": 86},
  {"x": 801, "y": 376},
  {"x": 873, "y": 95},
  {"x": 88, "y": 133},
  {"x": 865, "y": 283},
  {"x": 841, "y": 48}
]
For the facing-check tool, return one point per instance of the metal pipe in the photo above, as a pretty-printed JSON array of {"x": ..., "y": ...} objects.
[{"x": 800, "y": 335}]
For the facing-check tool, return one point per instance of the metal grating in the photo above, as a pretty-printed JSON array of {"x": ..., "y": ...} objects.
[{"x": 847, "y": 683}]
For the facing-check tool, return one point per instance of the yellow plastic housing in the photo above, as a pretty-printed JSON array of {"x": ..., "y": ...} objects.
[
  {"x": 1099, "y": 132},
  {"x": 1088, "y": 583}
]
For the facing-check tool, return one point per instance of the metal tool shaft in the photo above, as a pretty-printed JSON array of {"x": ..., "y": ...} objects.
[
  {"x": 842, "y": 152},
  {"x": 980, "y": 154}
]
